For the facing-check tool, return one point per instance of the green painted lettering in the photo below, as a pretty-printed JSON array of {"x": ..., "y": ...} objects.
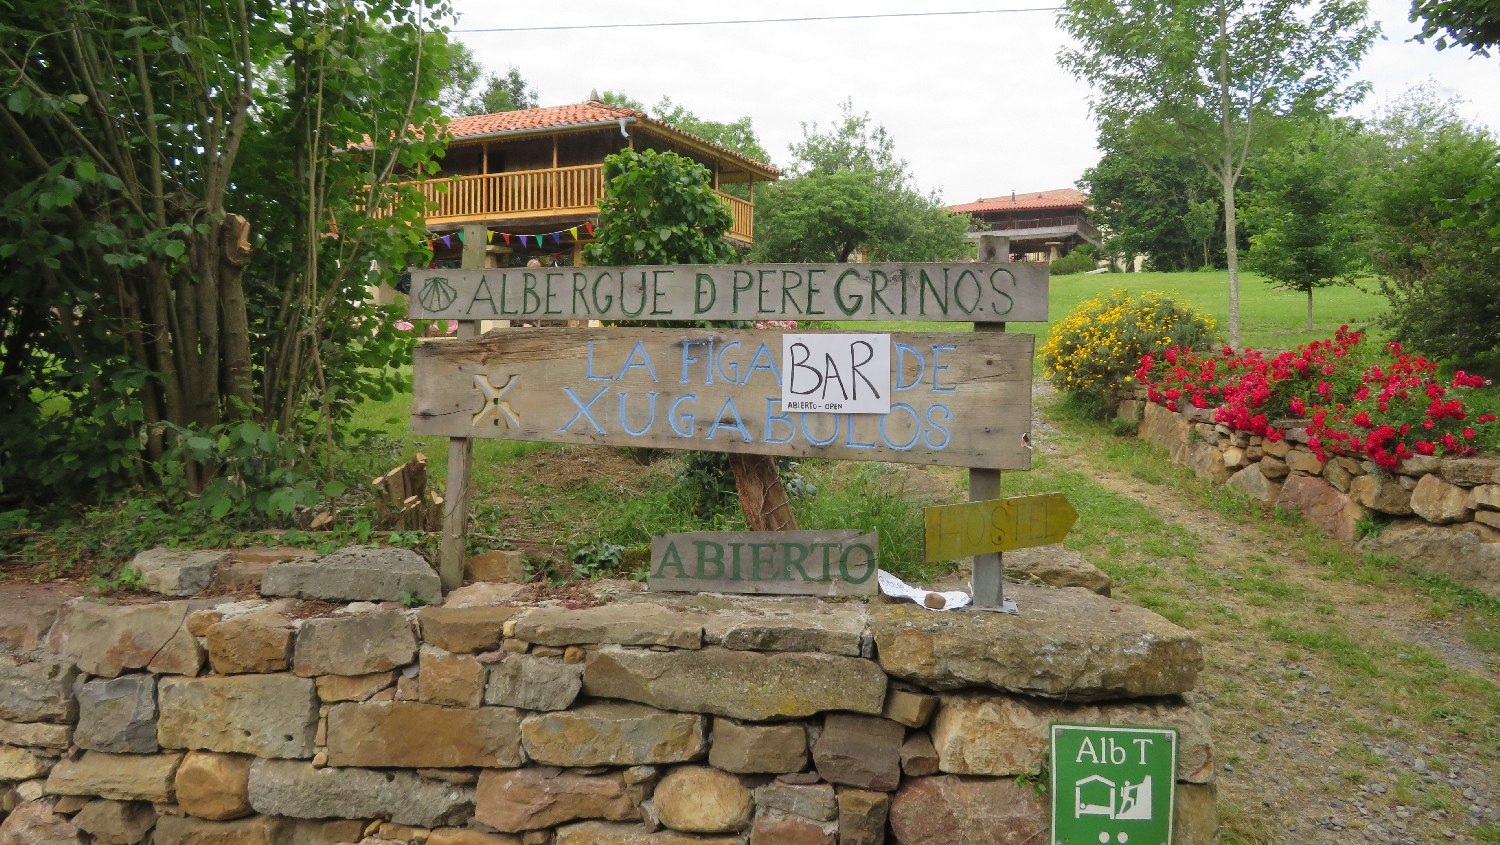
[
  {"x": 717, "y": 559},
  {"x": 795, "y": 553},
  {"x": 673, "y": 559}
]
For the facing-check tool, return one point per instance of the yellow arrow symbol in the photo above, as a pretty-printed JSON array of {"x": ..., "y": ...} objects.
[
  {"x": 494, "y": 402},
  {"x": 997, "y": 525}
]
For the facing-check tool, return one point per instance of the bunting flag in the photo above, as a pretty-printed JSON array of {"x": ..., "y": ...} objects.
[
  {"x": 574, "y": 232},
  {"x": 460, "y": 235},
  {"x": 557, "y": 237},
  {"x": 589, "y": 226},
  {"x": 537, "y": 240},
  {"x": 489, "y": 236},
  {"x": 505, "y": 235}
]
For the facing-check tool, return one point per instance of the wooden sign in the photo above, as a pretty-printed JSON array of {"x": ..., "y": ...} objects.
[
  {"x": 961, "y": 291},
  {"x": 807, "y": 563},
  {"x": 996, "y": 525},
  {"x": 957, "y": 399}
]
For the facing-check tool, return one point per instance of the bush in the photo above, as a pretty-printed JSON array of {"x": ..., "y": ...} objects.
[
  {"x": 1097, "y": 348},
  {"x": 1080, "y": 260}
]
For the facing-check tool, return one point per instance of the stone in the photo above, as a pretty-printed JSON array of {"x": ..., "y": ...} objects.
[
  {"x": 263, "y": 715},
  {"x": 115, "y": 822},
  {"x": 1419, "y": 465},
  {"x": 699, "y": 799},
  {"x": 333, "y": 688},
  {"x": 817, "y": 802},
  {"x": 1338, "y": 475},
  {"x": 106, "y": 640},
  {"x": 462, "y": 630},
  {"x": 1069, "y": 644},
  {"x": 34, "y": 823},
  {"x": 408, "y": 734},
  {"x": 862, "y": 751},
  {"x": 1055, "y": 566},
  {"x": 294, "y": 788},
  {"x": 27, "y": 613},
  {"x": 776, "y": 829},
  {"x": 1469, "y": 472},
  {"x": 622, "y": 624},
  {"x": 67, "y": 805},
  {"x": 1252, "y": 483},
  {"x": 1304, "y": 461},
  {"x": 912, "y": 709},
  {"x": 757, "y": 749},
  {"x": 454, "y": 680},
  {"x": 1468, "y": 553},
  {"x": 186, "y": 830},
  {"x": 1380, "y": 494},
  {"x": 123, "y": 777},
  {"x": 608, "y": 833},
  {"x": 1334, "y": 513},
  {"x": 614, "y": 733},
  {"x": 118, "y": 715},
  {"x": 953, "y": 810},
  {"x": 533, "y": 683},
  {"x": 17, "y": 764},
  {"x": 788, "y": 624},
  {"x": 1485, "y": 496},
  {"x": 534, "y": 798},
  {"x": 750, "y": 685},
  {"x": 1195, "y": 817},
  {"x": 402, "y": 833},
  {"x": 918, "y": 756},
  {"x": 1277, "y": 449},
  {"x": 498, "y": 565},
  {"x": 1234, "y": 458},
  {"x": 1166, "y": 429},
  {"x": 354, "y": 645},
  {"x": 1207, "y": 462},
  {"x": 1488, "y": 518},
  {"x": 356, "y": 573},
  {"x": 214, "y": 786},
  {"x": 37, "y": 689},
  {"x": 469, "y": 836},
  {"x": 329, "y": 832},
  {"x": 1004, "y": 736},
  {"x": 177, "y": 572},
  {"x": 1439, "y": 501},
  {"x": 484, "y": 594},
  {"x": 862, "y": 817},
  {"x": 259, "y": 641},
  {"x": 35, "y": 734},
  {"x": 1273, "y": 468}
]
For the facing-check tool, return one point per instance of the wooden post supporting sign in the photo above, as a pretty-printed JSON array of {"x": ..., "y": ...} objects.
[
  {"x": 454, "y": 545},
  {"x": 987, "y": 574}
]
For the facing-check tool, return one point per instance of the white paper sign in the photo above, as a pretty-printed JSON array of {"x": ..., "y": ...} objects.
[{"x": 836, "y": 373}]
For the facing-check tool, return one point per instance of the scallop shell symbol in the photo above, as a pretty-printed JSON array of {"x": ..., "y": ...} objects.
[{"x": 436, "y": 294}]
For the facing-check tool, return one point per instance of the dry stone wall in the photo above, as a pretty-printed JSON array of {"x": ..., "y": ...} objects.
[{"x": 615, "y": 718}]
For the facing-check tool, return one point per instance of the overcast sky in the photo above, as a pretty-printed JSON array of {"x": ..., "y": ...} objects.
[{"x": 976, "y": 104}]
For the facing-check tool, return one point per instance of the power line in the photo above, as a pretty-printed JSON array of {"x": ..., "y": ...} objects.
[{"x": 760, "y": 20}]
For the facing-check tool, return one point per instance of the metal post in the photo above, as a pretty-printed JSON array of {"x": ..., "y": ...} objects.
[
  {"x": 453, "y": 548},
  {"x": 987, "y": 579}
]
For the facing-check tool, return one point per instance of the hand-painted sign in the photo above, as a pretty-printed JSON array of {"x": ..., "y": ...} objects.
[
  {"x": 957, "y": 399},
  {"x": 1113, "y": 784},
  {"x": 963, "y": 291},
  {"x": 809, "y": 563},
  {"x": 996, "y": 525},
  {"x": 846, "y": 373}
]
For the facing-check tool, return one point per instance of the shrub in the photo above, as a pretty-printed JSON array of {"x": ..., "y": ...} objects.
[
  {"x": 1080, "y": 260},
  {"x": 1098, "y": 347}
]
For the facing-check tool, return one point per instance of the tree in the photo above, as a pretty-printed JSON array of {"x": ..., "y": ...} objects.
[
  {"x": 462, "y": 95},
  {"x": 1303, "y": 215},
  {"x": 1205, "y": 75},
  {"x": 510, "y": 92},
  {"x": 738, "y": 135},
  {"x": 1471, "y": 24},
  {"x": 1201, "y": 222}
]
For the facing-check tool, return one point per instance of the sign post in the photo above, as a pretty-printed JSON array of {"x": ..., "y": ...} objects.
[
  {"x": 996, "y": 526},
  {"x": 986, "y": 574},
  {"x": 1113, "y": 784},
  {"x": 453, "y": 547}
]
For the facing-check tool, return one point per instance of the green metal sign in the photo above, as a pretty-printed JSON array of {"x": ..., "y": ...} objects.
[{"x": 1112, "y": 784}]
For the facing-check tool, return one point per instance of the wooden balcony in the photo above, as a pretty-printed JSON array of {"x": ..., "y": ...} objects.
[{"x": 542, "y": 195}]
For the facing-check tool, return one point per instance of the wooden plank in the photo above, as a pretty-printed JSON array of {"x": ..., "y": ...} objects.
[
  {"x": 804, "y": 563},
  {"x": 962, "y": 291},
  {"x": 998, "y": 525},
  {"x": 957, "y": 399},
  {"x": 987, "y": 571}
]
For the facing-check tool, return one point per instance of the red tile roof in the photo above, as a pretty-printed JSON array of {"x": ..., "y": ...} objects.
[{"x": 1060, "y": 198}]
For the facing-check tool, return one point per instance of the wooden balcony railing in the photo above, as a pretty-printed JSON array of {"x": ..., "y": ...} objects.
[{"x": 743, "y": 227}]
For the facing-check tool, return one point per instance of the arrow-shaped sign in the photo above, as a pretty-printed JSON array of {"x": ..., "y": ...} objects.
[{"x": 996, "y": 525}]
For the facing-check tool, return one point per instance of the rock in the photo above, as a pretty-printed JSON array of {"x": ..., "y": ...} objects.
[
  {"x": 484, "y": 594},
  {"x": 952, "y": 810},
  {"x": 790, "y": 624},
  {"x": 1468, "y": 553},
  {"x": 106, "y": 640},
  {"x": 533, "y": 683},
  {"x": 623, "y": 624},
  {"x": 462, "y": 630},
  {"x": 454, "y": 680},
  {"x": 862, "y": 817},
  {"x": 263, "y": 715},
  {"x": 1468, "y": 472},
  {"x": 294, "y": 788},
  {"x": 18, "y": 764},
  {"x": 67, "y": 805},
  {"x": 35, "y": 734},
  {"x": 27, "y": 613},
  {"x": 356, "y": 573},
  {"x": 1064, "y": 644},
  {"x": 1234, "y": 457},
  {"x": 750, "y": 685},
  {"x": 1252, "y": 483},
  {"x": 1419, "y": 465},
  {"x": 699, "y": 799},
  {"x": 34, "y": 823},
  {"x": 1273, "y": 468},
  {"x": 37, "y": 689},
  {"x": 757, "y": 749},
  {"x": 862, "y": 751},
  {"x": 118, "y": 716},
  {"x": 1338, "y": 474},
  {"x": 214, "y": 786},
  {"x": 1207, "y": 462},
  {"x": 468, "y": 836},
  {"x": 177, "y": 572},
  {"x": 1055, "y": 566},
  {"x": 1195, "y": 817},
  {"x": 534, "y": 798},
  {"x": 1485, "y": 496},
  {"x": 1488, "y": 518},
  {"x": 606, "y": 833},
  {"x": 1304, "y": 461},
  {"x": 918, "y": 756},
  {"x": 776, "y": 829},
  {"x": 259, "y": 641},
  {"x": 1166, "y": 429},
  {"x": 1439, "y": 501},
  {"x": 333, "y": 688},
  {"x": 1004, "y": 736},
  {"x": 912, "y": 709},
  {"x": 408, "y": 734},
  {"x": 1380, "y": 494},
  {"x": 1324, "y": 507},
  {"x": 123, "y": 777},
  {"x": 115, "y": 822},
  {"x": 1277, "y": 449},
  {"x": 330, "y": 832},
  {"x": 185, "y": 830},
  {"x": 499, "y": 565},
  {"x": 816, "y": 802},
  {"x": 614, "y": 733},
  {"x": 354, "y": 645}
]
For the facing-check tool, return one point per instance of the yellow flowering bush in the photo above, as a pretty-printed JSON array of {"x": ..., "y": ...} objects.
[{"x": 1096, "y": 349}]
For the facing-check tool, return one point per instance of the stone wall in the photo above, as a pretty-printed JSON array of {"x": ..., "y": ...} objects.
[
  {"x": 1441, "y": 513},
  {"x": 609, "y": 717}
]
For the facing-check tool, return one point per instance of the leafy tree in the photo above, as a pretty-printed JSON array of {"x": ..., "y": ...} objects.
[
  {"x": 1471, "y": 24},
  {"x": 1206, "y": 75},
  {"x": 463, "y": 95},
  {"x": 659, "y": 208},
  {"x": 510, "y": 92},
  {"x": 1201, "y": 222}
]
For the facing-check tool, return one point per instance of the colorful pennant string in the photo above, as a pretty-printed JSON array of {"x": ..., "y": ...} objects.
[{"x": 524, "y": 240}]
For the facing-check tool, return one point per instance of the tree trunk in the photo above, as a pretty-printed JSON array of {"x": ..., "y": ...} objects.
[
  {"x": 763, "y": 498},
  {"x": 234, "y": 251},
  {"x": 1227, "y": 180},
  {"x": 1309, "y": 308}
]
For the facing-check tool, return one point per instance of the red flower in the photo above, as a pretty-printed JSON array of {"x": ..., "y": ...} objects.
[
  {"x": 1425, "y": 448},
  {"x": 1469, "y": 433}
]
